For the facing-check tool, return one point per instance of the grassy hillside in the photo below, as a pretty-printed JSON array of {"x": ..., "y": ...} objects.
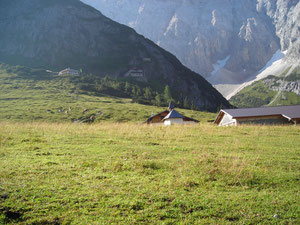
[
  {"x": 286, "y": 98},
  {"x": 255, "y": 95},
  {"x": 270, "y": 91},
  {"x": 36, "y": 95},
  {"x": 73, "y": 34},
  {"x": 136, "y": 174}
]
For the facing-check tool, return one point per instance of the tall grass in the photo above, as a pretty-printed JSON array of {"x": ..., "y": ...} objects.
[{"x": 138, "y": 174}]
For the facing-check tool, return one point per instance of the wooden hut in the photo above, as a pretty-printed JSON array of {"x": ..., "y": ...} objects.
[
  {"x": 69, "y": 71},
  {"x": 169, "y": 117},
  {"x": 262, "y": 115},
  {"x": 175, "y": 117}
]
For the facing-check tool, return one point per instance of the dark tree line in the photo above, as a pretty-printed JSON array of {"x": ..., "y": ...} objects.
[{"x": 126, "y": 89}]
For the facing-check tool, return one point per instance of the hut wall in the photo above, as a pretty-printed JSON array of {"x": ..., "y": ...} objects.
[
  {"x": 267, "y": 120},
  {"x": 297, "y": 121},
  {"x": 169, "y": 122},
  {"x": 227, "y": 120}
]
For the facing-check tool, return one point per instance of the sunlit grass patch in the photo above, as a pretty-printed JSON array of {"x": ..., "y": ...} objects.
[{"x": 131, "y": 173}]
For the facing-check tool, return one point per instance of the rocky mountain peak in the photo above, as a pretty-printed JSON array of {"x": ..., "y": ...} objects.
[
  {"x": 202, "y": 33},
  {"x": 286, "y": 19}
]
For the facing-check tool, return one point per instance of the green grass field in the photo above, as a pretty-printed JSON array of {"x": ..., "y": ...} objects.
[
  {"x": 112, "y": 173},
  {"x": 115, "y": 170}
]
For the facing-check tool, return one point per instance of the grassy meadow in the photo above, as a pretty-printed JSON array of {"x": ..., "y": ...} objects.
[
  {"x": 47, "y": 97},
  {"x": 125, "y": 173},
  {"x": 57, "y": 166}
]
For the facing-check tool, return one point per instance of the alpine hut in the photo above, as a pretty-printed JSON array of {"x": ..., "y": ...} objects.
[
  {"x": 169, "y": 117},
  {"x": 69, "y": 71},
  {"x": 262, "y": 115}
]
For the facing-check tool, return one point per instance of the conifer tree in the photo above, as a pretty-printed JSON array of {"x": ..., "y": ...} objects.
[
  {"x": 148, "y": 93},
  {"x": 167, "y": 94},
  {"x": 186, "y": 103},
  {"x": 158, "y": 100},
  {"x": 193, "y": 106}
]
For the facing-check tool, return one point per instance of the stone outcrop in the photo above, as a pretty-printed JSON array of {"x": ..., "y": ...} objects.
[{"x": 280, "y": 85}]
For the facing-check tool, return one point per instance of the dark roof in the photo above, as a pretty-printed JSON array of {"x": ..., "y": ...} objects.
[
  {"x": 290, "y": 112},
  {"x": 150, "y": 118},
  {"x": 173, "y": 114},
  {"x": 190, "y": 119}
]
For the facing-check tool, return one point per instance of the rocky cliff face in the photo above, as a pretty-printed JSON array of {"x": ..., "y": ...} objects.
[
  {"x": 227, "y": 41},
  {"x": 55, "y": 34},
  {"x": 285, "y": 15}
]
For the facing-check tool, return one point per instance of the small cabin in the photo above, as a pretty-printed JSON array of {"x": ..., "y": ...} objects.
[
  {"x": 263, "y": 115},
  {"x": 135, "y": 73},
  {"x": 170, "y": 117},
  {"x": 175, "y": 117},
  {"x": 69, "y": 71},
  {"x": 147, "y": 59}
]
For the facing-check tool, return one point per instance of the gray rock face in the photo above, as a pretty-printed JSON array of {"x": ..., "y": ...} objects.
[
  {"x": 282, "y": 85},
  {"x": 202, "y": 33},
  {"x": 55, "y": 34},
  {"x": 285, "y": 15}
]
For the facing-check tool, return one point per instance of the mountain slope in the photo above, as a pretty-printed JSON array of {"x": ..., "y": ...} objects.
[
  {"x": 37, "y": 95},
  {"x": 230, "y": 41},
  {"x": 286, "y": 19},
  {"x": 53, "y": 34},
  {"x": 201, "y": 32},
  {"x": 271, "y": 91},
  {"x": 285, "y": 15}
]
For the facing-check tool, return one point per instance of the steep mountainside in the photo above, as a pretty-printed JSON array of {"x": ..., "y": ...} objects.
[
  {"x": 227, "y": 41},
  {"x": 285, "y": 15},
  {"x": 55, "y": 34}
]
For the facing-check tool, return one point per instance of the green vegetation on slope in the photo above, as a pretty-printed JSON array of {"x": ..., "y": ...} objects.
[
  {"x": 268, "y": 92},
  {"x": 255, "y": 95},
  {"x": 36, "y": 95},
  {"x": 133, "y": 174},
  {"x": 295, "y": 75},
  {"x": 286, "y": 98},
  {"x": 130, "y": 88}
]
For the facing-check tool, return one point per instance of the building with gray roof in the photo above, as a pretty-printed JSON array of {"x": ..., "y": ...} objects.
[
  {"x": 262, "y": 115},
  {"x": 169, "y": 117}
]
